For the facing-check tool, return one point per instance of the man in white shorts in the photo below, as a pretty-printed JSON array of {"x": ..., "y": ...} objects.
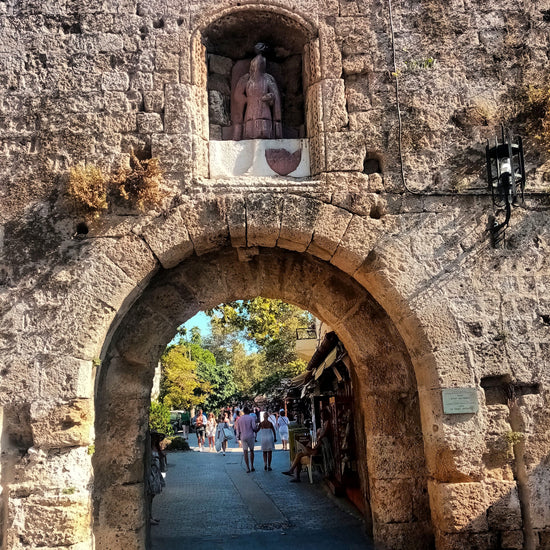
[{"x": 246, "y": 432}]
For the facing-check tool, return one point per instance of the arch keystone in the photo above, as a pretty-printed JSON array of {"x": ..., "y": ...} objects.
[{"x": 298, "y": 221}]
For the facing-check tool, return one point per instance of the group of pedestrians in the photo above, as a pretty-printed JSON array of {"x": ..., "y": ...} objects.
[
  {"x": 246, "y": 426},
  {"x": 216, "y": 431}
]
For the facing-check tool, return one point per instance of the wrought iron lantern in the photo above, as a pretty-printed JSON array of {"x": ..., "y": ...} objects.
[{"x": 506, "y": 177}]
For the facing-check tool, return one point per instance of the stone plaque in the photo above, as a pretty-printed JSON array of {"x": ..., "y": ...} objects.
[
  {"x": 260, "y": 157},
  {"x": 460, "y": 401}
]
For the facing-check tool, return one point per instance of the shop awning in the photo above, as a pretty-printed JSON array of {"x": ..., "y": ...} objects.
[
  {"x": 329, "y": 360},
  {"x": 301, "y": 379}
]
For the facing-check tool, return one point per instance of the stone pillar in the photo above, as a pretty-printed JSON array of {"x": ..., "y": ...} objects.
[{"x": 46, "y": 474}]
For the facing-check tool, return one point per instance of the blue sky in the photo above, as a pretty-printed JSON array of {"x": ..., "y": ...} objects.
[{"x": 200, "y": 320}]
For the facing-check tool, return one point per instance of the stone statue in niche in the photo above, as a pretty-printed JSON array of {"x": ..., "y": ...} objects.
[{"x": 256, "y": 102}]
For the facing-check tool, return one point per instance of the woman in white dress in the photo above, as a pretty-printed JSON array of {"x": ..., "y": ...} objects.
[
  {"x": 211, "y": 431},
  {"x": 282, "y": 424},
  {"x": 267, "y": 439}
]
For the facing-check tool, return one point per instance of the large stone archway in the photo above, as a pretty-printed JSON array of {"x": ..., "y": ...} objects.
[{"x": 392, "y": 460}]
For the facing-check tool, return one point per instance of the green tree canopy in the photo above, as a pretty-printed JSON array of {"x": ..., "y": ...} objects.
[
  {"x": 269, "y": 326},
  {"x": 251, "y": 349},
  {"x": 182, "y": 387}
]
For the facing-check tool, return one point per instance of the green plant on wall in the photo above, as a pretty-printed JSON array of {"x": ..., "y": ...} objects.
[
  {"x": 514, "y": 437},
  {"x": 415, "y": 65},
  {"x": 420, "y": 64}
]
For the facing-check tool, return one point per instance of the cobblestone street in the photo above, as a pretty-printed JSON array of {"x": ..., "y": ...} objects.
[{"x": 210, "y": 502}]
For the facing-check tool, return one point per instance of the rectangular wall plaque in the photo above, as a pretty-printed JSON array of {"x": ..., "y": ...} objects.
[{"x": 460, "y": 401}]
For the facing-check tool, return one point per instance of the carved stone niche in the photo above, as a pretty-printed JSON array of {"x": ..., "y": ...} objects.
[{"x": 230, "y": 45}]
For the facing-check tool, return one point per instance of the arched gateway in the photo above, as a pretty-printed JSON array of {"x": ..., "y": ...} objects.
[{"x": 392, "y": 451}]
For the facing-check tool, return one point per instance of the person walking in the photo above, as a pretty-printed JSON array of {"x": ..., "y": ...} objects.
[
  {"x": 239, "y": 414},
  {"x": 272, "y": 417},
  {"x": 210, "y": 429},
  {"x": 282, "y": 424},
  {"x": 222, "y": 432},
  {"x": 185, "y": 421},
  {"x": 268, "y": 437},
  {"x": 200, "y": 426},
  {"x": 246, "y": 431}
]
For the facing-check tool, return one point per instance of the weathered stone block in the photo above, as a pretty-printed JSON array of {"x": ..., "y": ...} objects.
[
  {"x": 359, "y": 239},
  {"x": 504, "y": 511},
  {"x": 123, "y": 507},
  {"x": 407, "y": 457},
  {"x": 466, "y": 539},
  {"x": 512, "y": 540},
  {"x": 345, "y": 151},
  {"x": 143, "y": 82},
  {"x": 329, "y": 228},
  {"x": 357, "y": 64},
  {"x": 40, "y": 521},
  {"x": 326, "y": 107},
  {"x": 66, "y": 425},
  {"x": 174, "y": 151},
  {"x": 459, "y": 506},
  {"x": 149, "y": 123},
  {"x": 404, "y": 536},
  {"x": 317, "y": 154},
  {"x": 206, "y": 223},
  {"x": 391, "y": 500},
  {"x": 312, "y": 63},
  {"x": 118, "y": 539},
  {"x": 62, "y": 377},
  {"x": 169, "y": 239},
  {"x": 220, "y": 65},
  {"x": 299, "y": 215},
  {"x": 201, "y": 164},
  {"x": 115, "y": 81},
  {"x": 186, "y": 110},
  {"x": 331, "y": 57},
  {"x": 235, "y": 208},
  {"x": 263, "y": 219}
]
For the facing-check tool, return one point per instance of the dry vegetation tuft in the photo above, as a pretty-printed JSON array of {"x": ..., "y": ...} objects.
[
  {"x": 538, "y": 114},
  {"x": 88, "y": 188},
  {"x": 141, "y": 184}
]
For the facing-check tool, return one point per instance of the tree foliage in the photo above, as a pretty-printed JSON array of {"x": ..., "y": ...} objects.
[
  {"x": 159, "y": 418},
  {"x": 251, "y": 349},
  {"x": 181, "y": 387},
  {"x": 269, "y": 326}
]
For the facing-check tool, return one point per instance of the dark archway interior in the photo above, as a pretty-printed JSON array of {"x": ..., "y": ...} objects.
[
  {"x": 235, "y": 34},
  {"x": 387, "y": 408},
  {"x": 230, "y": 45}
]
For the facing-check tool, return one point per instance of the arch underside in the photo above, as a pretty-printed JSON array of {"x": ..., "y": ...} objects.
[{"x": 390, "y": 448}]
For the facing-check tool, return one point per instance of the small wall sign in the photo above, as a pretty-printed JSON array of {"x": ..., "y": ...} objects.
[{"x": 460, "y": 401}]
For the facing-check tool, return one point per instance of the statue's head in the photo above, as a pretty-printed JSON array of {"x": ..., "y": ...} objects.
[
  {"x": 257, "y": 65},
  {"x": 260, "y": 48}
]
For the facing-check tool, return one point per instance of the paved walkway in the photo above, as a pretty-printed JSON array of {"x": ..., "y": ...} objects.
[{"x": 211, "y": 503}]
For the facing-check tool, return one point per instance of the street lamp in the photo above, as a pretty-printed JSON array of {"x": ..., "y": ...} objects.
[{"x": 506, "y": 177}]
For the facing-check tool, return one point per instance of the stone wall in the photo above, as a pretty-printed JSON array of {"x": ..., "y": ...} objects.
[{"x": 90, "y": 82}]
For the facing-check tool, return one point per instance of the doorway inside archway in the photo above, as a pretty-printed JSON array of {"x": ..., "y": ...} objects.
[{"x": 390, "y": 442}]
